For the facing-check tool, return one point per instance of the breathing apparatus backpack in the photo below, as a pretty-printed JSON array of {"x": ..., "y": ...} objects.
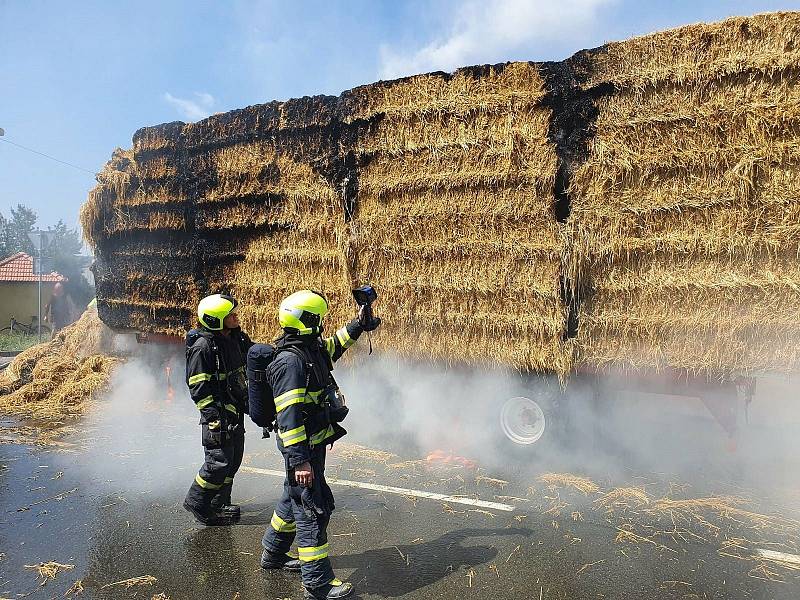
[
  {"x": 259, "y": 391},
  {"x": 262, "y": 399}
]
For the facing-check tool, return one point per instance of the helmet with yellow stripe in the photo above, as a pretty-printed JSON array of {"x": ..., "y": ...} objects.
[
  {"x": 212, "y": 310},
  {"x": 302, "y": 312}
]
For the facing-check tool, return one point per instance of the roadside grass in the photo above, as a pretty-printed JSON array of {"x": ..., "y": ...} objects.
[{"x": 19, "y": 341}]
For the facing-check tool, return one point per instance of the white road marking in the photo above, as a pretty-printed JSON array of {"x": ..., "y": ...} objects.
[
  {"x": 396, "y": 490},
  {"x": 792, "y": 559}
]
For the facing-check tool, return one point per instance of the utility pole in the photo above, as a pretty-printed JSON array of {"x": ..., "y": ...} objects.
[
  {"x": 42, "y": 235},
  {"x": 39, "y": 320}
]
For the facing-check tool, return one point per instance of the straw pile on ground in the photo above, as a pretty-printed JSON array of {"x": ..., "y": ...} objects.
[
  {"x": 641, "y": 198},
  {"x": 55, "y": 380},
  {"x": 686, "y": 214}
]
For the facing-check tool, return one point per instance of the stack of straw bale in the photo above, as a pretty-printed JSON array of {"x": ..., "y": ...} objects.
[
  {"x": 686, "y": 214},
  {"x": 237, "y": 203},
  {"x": 135, "y": 218},
  {"x": 642, "y": 196}
]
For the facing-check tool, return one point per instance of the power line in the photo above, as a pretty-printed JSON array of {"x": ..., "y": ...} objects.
[{"x": 63, "y": 162}]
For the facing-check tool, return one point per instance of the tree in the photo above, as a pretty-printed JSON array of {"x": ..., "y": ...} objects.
[
  {"x": 22, "y": 221},
  {"x": 4, "y": 248},
  {"x": 64, "y": 242},
  {"x": 64, "y": 251}
]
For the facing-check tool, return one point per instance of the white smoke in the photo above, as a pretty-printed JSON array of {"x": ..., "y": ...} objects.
[
  {"x": 602, "y": 430},
  {"x": 140, "y": 433}
]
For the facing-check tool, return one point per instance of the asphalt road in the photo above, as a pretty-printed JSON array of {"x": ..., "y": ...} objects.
[{"x": 106, "y": 506}]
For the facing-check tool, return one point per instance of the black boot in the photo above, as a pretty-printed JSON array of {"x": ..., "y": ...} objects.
[
  {"x": 335, "y": 589},
  {"x": 229, "y": 511},
  {"x": 286, "y": 562},
  {"x": 207, "y": 519},
  {"x": 222, "y": 506}
]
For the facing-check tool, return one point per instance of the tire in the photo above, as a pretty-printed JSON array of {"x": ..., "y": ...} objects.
[
  {"x": 522, "y": 420},
  {"x": 527, "y": 428},
  {"x": 531, "y": 419}
]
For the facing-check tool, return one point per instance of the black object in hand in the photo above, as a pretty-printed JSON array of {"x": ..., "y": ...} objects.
[
  {"x": 365, "y": 295},
  {"x": 366, "y": 319}
]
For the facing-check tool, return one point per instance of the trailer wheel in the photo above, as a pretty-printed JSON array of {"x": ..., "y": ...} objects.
[{"x": 523, "y": 420}]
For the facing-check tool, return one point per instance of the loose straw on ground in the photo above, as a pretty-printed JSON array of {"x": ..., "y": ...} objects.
[
  {"x": 582, "y": 484},
  {"x": 132, "y": 582},
  {"x": 55, "y": 381},
  {"x": 48, "y": 570}
]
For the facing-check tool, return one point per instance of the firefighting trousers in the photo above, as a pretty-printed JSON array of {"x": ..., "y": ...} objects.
[
  {"x": 211, "y": 487},
  {"x": 304, "y": 513}
]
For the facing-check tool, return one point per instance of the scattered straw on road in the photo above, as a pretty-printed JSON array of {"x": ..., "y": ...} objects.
[
  {"x": 76, "y": 589},
  {"x": 133, "y": 581},
  {"x": 582, "y": 484},
  {"x": 48, "y": 570}
]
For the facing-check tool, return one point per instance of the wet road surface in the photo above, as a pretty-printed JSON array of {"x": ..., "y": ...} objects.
[{"x": 106, "y": 506}]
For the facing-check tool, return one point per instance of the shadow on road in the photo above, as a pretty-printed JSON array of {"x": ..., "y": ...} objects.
[{"x": 398, "y": 570}]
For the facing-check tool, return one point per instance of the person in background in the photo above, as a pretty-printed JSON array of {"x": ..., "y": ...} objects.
[{"x": 59, "y": 311}]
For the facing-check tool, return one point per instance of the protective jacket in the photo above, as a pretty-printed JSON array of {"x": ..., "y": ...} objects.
[
  {"x": 215, "y": 373},
  {"x": 301, "y": 383}
]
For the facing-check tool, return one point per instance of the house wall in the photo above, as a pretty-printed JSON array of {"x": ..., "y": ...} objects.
[{"x": 19, "y": 300}]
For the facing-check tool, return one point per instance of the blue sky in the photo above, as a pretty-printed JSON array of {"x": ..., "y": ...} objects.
[{"x": 78, "y": 78}]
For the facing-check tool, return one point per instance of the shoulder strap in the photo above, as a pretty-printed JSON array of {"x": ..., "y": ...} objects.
[
  {"x": 219, "y": 364},
  {"x": 212, "y": 344},
  {"x": 321, "y": 371},
  {"x": 299, "y": 353}
]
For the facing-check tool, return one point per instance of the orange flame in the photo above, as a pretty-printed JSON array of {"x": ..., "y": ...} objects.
[
  {"x": 168, "y": 375},
  {"x": 448, "y": 458}
]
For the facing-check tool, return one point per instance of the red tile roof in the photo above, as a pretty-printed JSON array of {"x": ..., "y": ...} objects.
[{"x": 19, "y": 267}]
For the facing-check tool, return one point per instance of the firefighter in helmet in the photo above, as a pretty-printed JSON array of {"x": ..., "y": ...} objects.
[
  {"x": 309, "y": 409},
  {"x": 215, "y": 373}
]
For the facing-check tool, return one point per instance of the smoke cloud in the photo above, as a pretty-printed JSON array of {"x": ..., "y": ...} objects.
[{"x": 606, "y": 432}]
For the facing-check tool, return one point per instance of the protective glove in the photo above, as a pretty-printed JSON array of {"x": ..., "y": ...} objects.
[
  {"x": 212, "y": 434},
  {"x": 210, "y": 414},
  {"x": 367, "y": 320}
]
